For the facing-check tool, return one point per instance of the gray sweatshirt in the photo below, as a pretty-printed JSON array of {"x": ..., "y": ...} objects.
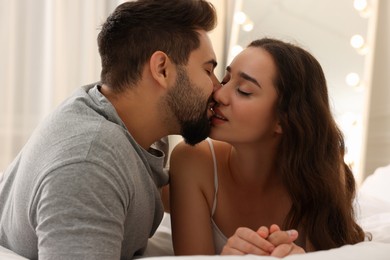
[{"x": 81, "y": 188}]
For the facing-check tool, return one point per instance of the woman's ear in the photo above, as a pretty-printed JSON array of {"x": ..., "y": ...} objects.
[
  {"x": 161, "y": 67},
  {"x": 278, "y": 128}
]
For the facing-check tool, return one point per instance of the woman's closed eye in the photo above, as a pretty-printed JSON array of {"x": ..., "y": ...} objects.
[
  {"x": 239, "y": 91},
  {"x": 243, "y": 93}
]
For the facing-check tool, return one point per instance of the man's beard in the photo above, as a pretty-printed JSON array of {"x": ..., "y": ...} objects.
[{"x": 189, "y": 107}]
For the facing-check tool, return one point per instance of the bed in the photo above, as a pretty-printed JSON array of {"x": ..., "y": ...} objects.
[{"x": 373, "y": 213}]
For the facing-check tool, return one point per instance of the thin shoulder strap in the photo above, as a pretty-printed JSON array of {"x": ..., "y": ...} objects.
[{"x": 215, "y": 176}]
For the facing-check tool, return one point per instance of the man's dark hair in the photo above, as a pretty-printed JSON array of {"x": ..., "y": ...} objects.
[{"x": 136, "y": 29}]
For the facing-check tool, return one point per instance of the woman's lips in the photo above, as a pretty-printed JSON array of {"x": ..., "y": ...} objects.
[
  {"x": 218, "y": 117},
  {"x": 219, "y": 114}
]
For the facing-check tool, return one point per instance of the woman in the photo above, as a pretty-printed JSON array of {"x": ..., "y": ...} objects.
[{"x": 278, "y": 160}]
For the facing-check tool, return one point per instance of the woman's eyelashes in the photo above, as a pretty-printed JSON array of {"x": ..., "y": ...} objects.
[
  {"x": 239, "y": 91},
  {"x": 243, "y": 93}
]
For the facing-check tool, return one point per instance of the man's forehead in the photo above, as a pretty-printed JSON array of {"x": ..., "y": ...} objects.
[{"x": 205, "y": 50}]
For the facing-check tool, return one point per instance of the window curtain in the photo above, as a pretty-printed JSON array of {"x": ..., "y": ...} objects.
[{"x": 48, "y": 49}]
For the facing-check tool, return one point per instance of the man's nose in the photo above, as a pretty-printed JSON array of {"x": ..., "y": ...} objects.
[{"x": 216, "y": 84}]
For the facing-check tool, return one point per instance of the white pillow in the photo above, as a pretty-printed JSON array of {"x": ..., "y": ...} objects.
[{"x": 378, "y": 183}]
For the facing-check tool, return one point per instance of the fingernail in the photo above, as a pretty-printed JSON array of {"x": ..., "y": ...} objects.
[{"x": 292, "y": 233}]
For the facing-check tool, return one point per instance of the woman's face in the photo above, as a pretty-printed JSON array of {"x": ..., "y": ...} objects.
[{"x": 246, "y": 109}]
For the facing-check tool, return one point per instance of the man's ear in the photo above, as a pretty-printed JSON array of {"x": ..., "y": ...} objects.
[{"x": 161, "y": 68}]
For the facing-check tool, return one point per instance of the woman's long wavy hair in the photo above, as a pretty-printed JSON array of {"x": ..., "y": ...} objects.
[{"x": 311, "y": 152}]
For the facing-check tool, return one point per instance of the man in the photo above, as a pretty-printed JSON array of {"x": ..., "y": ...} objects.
[{"x": 86, "y": 185}]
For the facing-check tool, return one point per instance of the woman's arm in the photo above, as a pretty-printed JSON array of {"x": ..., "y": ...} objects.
[
  {"x": 165, "y": 198},
  {"x": 191, "y": 191}
]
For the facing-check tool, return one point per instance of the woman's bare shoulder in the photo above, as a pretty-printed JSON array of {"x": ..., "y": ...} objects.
[
  {"x": 191, "y": 170},
  {"x": 197, "y": 159},
  {"x": 188, "y": 157}
]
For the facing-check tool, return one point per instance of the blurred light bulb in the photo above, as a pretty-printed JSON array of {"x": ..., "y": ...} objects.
[
  {"x": 248, "y": 26},
  {"x": 360, "y": 5},
  {"x": 352, "y": 79},
  {"x": 357, "y": 41},
  {"x": 240, "y": 17}
]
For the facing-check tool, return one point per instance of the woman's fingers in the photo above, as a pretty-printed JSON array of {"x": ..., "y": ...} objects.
[
  {"x": 264, "y": 241},
  {"x": 282, "y": 250},
  {"x": 287, "y": 249},
  {"x": 247, "y": 241},
  {"x": 227, "y": 250},
  {"x": 283, "y": 242},
  {"x": 263, "y": 232},
  {"x": 283, "y": 237},
  {"x": 274, "y": 228}
]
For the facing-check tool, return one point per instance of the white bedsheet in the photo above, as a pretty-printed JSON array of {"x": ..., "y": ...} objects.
[
  {"x": 361, "y": 251},
  {"x": 373, "y": 212}
]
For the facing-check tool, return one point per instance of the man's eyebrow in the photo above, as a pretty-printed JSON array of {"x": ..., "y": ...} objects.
[
  {"x": 212, "y": 62},
  {"x": 245, "y": 76}
]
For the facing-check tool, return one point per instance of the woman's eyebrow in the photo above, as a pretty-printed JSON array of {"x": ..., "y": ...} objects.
[
  {"x": 245, "y": 76},
  {"x": 249, "y": 78}
]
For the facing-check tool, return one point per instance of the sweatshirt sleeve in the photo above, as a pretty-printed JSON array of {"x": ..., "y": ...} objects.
[{"x": 79, "y": 215}]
